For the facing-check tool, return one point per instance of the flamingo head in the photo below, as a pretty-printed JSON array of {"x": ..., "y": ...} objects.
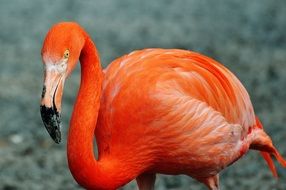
[{"x": 60, "y": 53}]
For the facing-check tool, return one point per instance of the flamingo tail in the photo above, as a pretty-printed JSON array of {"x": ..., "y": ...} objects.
[{"x": 263, "y": 143}]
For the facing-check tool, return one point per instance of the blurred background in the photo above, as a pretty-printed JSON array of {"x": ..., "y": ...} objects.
[{"x": 247, "y": 36}]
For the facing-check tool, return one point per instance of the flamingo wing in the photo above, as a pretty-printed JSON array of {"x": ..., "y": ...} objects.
[{"x": 189, "y": 73}]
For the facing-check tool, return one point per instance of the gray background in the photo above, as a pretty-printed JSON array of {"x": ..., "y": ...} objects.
[{"x": 249, "y": 37}]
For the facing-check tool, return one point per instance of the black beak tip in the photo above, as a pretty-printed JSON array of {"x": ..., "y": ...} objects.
[
  {"x": 51, "y": 120},
  {"x": 54, "y": 133},
  {"x": 57, "y": 141},
  {"x": 56, "y": 136}
]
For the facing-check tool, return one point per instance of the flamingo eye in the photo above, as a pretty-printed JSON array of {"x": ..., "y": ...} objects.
[{"x": 66, "y": 54}]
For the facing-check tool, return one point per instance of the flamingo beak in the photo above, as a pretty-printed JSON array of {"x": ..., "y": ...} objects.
[{"x": 51, "y": 101}]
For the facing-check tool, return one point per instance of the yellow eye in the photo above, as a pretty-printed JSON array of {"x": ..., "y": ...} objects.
[{"x": 66, "y": 54}]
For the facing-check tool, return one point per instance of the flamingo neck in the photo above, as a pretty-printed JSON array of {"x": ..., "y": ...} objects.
[{"x": 84, "y": 167}]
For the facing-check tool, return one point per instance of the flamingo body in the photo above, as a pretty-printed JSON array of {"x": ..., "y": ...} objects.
[
  {"x": 154, "y": 111},
  {"x": 190, "y": 113}
]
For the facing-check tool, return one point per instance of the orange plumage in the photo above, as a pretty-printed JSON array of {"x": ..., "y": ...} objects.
[{"x": 152, "y": 111}]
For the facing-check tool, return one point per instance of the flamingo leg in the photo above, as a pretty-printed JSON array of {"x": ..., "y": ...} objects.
[
  {"x": 146, "y": 181},
  {"x": 211, "y": 182}
]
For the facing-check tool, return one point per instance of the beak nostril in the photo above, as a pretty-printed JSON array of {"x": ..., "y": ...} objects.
[{"x": 44, "y": 91}]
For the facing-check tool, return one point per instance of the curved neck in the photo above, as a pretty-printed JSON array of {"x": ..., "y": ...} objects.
[{"x": 82, "y": 163}]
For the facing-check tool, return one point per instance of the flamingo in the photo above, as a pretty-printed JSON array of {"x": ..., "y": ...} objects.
[{"x": 165, "y": 111}]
